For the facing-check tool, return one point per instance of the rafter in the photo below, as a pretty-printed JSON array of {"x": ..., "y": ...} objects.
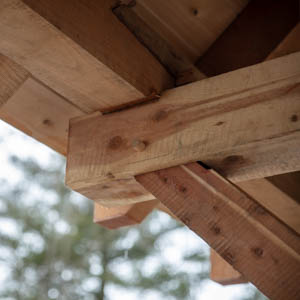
[{"x": 259, "y": 246}]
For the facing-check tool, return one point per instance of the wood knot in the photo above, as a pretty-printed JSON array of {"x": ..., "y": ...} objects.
[
  {"x": 216, "y": 229},
  {"x": 138, "y": 145},
  {"x": 294, "y": 118},
  {"x": 182, "y": 189},
  {"x": 47, "y": 122},
  {"x": 115, "y": 143},
  {"x": 229, "y": 257},
  {"x": 195, "y": 11},
  {"x": 160, "y": 115},
  {"x": 258, "y": 251}
]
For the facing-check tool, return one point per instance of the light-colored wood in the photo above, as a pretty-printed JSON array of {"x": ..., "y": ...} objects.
[
  {"x": 28, "y": 105},
  {"x": 41, "y": 114},
  {"x": 68, "y": 69},
  {"x": 288, "y": 183},
  {"x": 189, "y": 26},
  {"x": 12, "y": 76},
  {"x": 289, "y": 45},
  {"x": 222, "y": 272},
  {"x": 253, "y": 241},
  {"x": 272, "y": 198},
  {"x": 243, "y": 124},
  {"x": 120, "y": 216}
]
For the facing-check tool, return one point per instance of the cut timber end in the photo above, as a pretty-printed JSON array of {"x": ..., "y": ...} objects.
[
  {"x": 120, "y": 216},
  {"x": 243, "y": 124}
]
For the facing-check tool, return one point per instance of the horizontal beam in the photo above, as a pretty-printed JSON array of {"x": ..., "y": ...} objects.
[
  {"x": 245, "y": 124},
  {"x": 33, "y": 108},
  {"x": 252, "y": 240},
  {"x": 88, "y": 81}
]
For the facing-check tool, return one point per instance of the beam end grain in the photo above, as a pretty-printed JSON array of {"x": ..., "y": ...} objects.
[{"x": 120, "y": 216}]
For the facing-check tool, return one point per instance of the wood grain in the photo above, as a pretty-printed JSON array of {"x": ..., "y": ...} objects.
[
  {"x": 253, "y": 241},
  {"x": 222, "y": 272},
  {"x": 189, "y": 26},
  {"x": 243, "y": 124},
  {"x": 12, "y": 76},
  {"x": 62, "y": 64},
  {"x": 125, "y": 215},
  {"x": 274, "y": 200},
  {"x": 93, "y": 26},
  {"x": 252, "y": 36}
]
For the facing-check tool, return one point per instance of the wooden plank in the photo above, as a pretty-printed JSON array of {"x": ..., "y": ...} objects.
[
  {"x": 67, "y": 68},
  {"x": 288, "y": 184},
  {"x": 230, "y": 122},
  {"x": 275, "y": 200},
  {"x": 289, "y": 45},
  {"x": 12, "y": 76},
  {"x": 251, "y": 37},
  {"x": 94, "y": 27},
  {"x": 222, "y": 272},
  {"x": 120, "y": 216},
  {"x": 180, "y": 67},
  {"x": 253, "y": 241},
  {"x": 198, "y": 27}
]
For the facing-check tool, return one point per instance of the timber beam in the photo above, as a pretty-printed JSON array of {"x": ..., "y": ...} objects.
[
  {"x": 247, "y": 236},
  {"x": 244, "y": 124}
]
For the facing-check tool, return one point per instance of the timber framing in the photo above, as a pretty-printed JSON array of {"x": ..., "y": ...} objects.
[
  {"x": 245, "y": 124},
  {"x": 228, "y": 220},
  {"x": 132, "y": 135}
]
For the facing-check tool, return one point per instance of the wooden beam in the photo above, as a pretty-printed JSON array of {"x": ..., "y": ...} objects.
[
  {"x": 259, "y": 246},
  {"x": 33, "y": 108},
  {"x": 88, "y": 81},
  {"x": 251, "y": 37},
  {"x": 93, "y": 26},
  {"x": 198, "y": 27},
  {"x": 243, "y": 124},
  {"x": 289, "y": 45},
  {"x": 120, "y": 216},
  {"x": 275, "y": 200},
  {"x": 222, "y": 272}
]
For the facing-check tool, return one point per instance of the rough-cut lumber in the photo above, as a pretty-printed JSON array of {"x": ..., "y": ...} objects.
[
  {"x": 244, "y": 124},
  {"x": 288, "y": 183},
  {"x": 253, "y": 241},
  {"x": 60, "y": 63},
  {"x": 252, "y": 36},
  {"x": 222, "y": 272},
  {"x": 120, "y": 216},
  {"x": 275, "y": 200},
  {"x": 12, "y": 76},
  {"x": 28, "y": 105},
  {"x": 92, "y": 24},
  {"x": 289, "y": 45},
  {"x": 189, "y": 26},
  {"x": 183, "y": 70}
]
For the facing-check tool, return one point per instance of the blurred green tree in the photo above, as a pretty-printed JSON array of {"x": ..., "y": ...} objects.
[{"x": 50, "y": 248}]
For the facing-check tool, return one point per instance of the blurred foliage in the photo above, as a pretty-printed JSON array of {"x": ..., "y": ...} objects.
[
  {"x": 50, "y": 249},
  {"x": 56, "y": 252}
]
